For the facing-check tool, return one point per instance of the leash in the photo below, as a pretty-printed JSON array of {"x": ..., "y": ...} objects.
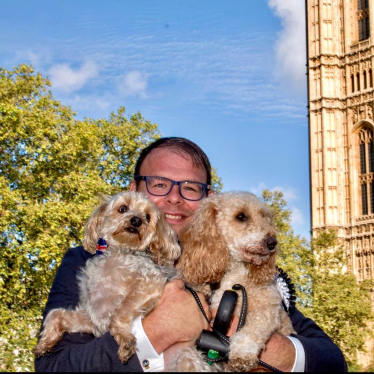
[
  {"x": 241, "y": 323},
  {"x": 219, "y": 334}
]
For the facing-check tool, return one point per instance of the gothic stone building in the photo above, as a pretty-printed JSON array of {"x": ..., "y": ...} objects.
[{"x": 340, "y": 63}]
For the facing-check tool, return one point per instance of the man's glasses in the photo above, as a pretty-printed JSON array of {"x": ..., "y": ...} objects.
[{"x": 160, "y": 186}]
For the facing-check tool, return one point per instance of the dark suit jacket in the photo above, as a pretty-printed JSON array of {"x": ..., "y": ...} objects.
[{"x": 84, "y": 352}]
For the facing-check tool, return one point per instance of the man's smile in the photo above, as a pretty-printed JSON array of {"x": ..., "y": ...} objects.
[{"x": 173, "y": 216}]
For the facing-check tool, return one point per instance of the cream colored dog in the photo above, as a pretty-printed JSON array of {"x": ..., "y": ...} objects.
[
  {"x": 231, "y": 240},
  {"x": 125, "y": 282}
]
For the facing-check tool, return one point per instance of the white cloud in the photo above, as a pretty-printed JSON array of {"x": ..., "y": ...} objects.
[
  {"x": 66, "y": 79},
  {"x": 258, "y": 190},
  {"x": 89, "y": 102},
  {"x": 291, "y": 43},
  {"x": 37, "y": 59},
  {"x": 33, "y": 57},
  {"x": 296, "y": 216},
  {"x": 288, "y": 193},
  {"x": 134, "y": 84}
]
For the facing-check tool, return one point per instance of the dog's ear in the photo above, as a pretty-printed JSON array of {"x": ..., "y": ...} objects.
[
  {"x": 164, "y": 247},
  {"x": 204, "y": 256},
  {"x": 91, "y": 231}
]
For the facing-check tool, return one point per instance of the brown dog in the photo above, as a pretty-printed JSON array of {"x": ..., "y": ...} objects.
[
  {"x": 125, "y": 282},
  {"x": 231, "y": 240}
]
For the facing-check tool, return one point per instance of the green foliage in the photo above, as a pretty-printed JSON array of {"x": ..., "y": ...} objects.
[
  {"x": 52, "y": 169},
  {"x": 216, "y": 181},
  {"x": 332, "y": 298},
  {"x": 354, "y": 368},
  {"x": 341, "y": 306},
  {"x": 18, "y": 338},
  {"x": 370, "y": 368},
  {"x": 294, "y": 251}
]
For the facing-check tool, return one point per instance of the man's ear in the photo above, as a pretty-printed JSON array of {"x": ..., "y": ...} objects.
[
  {"x": 211, "y": 193},
  {"x": 133, "y": 186}
]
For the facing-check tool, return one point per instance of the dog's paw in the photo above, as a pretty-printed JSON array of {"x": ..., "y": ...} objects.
[
  {"x": 44, "y": 346},
  {"x": 127, "y": 347},
  {"x": 52, "y": 333},
  {"x": 243, "y": 355},
  {"x": 40, "y": 350},
  {"x": 240, "y": 364},
  {"x": 47, "y": 342}
]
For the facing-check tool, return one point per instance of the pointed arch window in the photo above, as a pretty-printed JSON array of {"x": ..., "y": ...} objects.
[
  {"x": 362, "y": 4},
  {"x": 353, "y": 83},
  {"x": 358, "y": 82},
  {"x": 363, "y": 20},
  {"x": 366, "y": 146}
]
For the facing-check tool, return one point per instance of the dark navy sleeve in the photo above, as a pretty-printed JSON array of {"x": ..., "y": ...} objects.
[
  {"x": 79, "y": 352},
  {"x": 321, "y": 353}
]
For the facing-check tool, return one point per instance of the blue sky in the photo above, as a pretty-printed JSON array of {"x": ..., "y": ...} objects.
[{"x": 229, "y": 75}]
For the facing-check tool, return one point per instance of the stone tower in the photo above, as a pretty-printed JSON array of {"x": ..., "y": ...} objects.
[{"x": 340, "y": 45}]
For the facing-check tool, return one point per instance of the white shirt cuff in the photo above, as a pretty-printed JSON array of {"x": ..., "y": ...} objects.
[
  {"x": 299, "y": 364},
  {"x": 149, "y": 359}
]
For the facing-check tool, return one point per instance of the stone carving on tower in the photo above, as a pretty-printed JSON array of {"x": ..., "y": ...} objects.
[{"x": 341, "y": 98}]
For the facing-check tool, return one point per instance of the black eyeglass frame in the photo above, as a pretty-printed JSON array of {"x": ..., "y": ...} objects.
[{"x": 206, "y": 187}]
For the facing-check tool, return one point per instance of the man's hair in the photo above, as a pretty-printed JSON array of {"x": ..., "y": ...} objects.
[{"x": 179, "y": 145}]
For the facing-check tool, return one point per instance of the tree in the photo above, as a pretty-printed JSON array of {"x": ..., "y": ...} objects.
[
  {"x": 341, "y": 306},
  {"x": 294, "y": 251},
  {"x": 53, "y": 167},
  {"x": 332, "y": 298}
]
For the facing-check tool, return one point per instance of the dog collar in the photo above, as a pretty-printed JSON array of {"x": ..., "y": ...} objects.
[{"x": 101, "y": 247}]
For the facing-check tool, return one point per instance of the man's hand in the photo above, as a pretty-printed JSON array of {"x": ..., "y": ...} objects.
[
  {"x": 175, "y": 318},
  {"x": 279, "y": 352}
]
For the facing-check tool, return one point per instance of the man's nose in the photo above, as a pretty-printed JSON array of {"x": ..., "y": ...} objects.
[{"x": 174, "y": 197}]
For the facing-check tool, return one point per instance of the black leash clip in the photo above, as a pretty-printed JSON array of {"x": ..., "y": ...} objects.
[
  {"x": 215, "y": 343},
  {"x": 217, "y": 339}
]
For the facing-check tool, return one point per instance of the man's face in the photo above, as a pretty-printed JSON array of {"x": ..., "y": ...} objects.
[{"x": 164, "y": 162}]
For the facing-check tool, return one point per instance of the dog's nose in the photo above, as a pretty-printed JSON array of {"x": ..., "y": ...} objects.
[
  {"x": 271, "y": 243},
  {"x": 136, "y": 221}
]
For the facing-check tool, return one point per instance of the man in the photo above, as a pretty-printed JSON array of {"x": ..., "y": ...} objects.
[{"x": 176, "y": 320}]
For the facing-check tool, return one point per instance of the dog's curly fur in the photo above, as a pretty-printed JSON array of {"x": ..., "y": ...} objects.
[
  {"x": 125, "y": 282},
  {"x": 231, "y": 240}
]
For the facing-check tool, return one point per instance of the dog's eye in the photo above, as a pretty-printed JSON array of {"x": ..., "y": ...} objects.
[
  {"x": 122, "y": 209},
  {"x": 148, "y": 217},
  {"x": 241, "y": 217}
]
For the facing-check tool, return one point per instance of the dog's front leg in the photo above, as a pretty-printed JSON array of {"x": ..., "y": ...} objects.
[
  {"x": 246, "y": 345},
  {"x": 134, "y": 305},
  {"x": 59, "y": 321}
]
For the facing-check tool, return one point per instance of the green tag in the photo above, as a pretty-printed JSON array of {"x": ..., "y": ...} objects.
[{"x": 212, "y": 354}]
